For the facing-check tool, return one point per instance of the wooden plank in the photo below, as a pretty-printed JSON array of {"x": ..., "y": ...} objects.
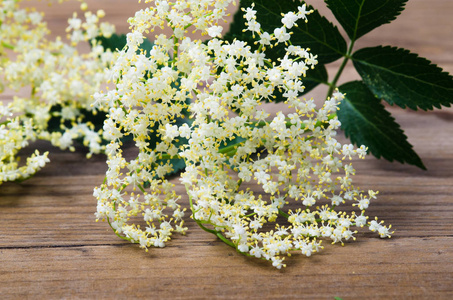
[
  {"x": 51, "y": 246},
  {"x": 404, "y": 267}
]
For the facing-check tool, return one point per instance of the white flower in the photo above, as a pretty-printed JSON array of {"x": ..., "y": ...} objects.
[
  {"x": 360, "y": 220},
  {"x": 374, "y": 226},
  {"x": 184, "y": 131},
  {"x": 250, "y": 13},
  {"x": 290, "y": 19},
  {"x": 253, "y": 26},
  {"x": 363, "y": 203},
  {"x": 302, "y": 12},
  {"x": 384, "y": 232},
  {"x": 256, "y": 251},
  {"x": 348, "y": 150},
  {"x": 281, "y": 35},
  {"x": 171, "y": 131},
  {"x": 215, "y": 31},
  {"x": 309, "y": 201},
  {"x": 265, "y": 38}
]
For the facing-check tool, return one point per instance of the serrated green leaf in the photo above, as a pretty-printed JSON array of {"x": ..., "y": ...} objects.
[
  {"x": 366, "y": 122},
  {"x": 318, "y": 34},
  {"x": 403, "y": 78},
  {"x": 358, "y": 17}
]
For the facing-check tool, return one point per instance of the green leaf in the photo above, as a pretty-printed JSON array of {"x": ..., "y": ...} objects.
[
  {"x": 318, "y": 34},
  {"x": 147, "y": 46},
  {"x": 231, "y": 145},
  {"x": 55, "y": 123},
  {"x": 154, "y": 138},
  {"x": 113, "y": 43},
  {"x": 403, "y": 78},
  {"x": 237, "y": 28},
  {"x": 359, "y": 17},
  {"x": 314, "y": 77},
  {"x": 118, "y": 41},
  {"x": 366, "y": 122}
]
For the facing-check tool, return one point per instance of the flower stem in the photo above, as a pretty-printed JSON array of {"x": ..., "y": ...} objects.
[
  {"x": 225, "y": 240},
  {"x": 282, "y": 213},
  {"x": 215, "y": 232},
  {"x": 116, "y": 232},
  {"x": 9, "y": 46}
]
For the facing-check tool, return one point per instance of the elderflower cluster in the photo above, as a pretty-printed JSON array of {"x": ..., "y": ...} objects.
[
  {"x": 60, "y": 81},
  {"x": 234, "y": 147}
]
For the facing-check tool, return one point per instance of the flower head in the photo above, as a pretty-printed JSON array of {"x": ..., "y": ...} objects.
[
  {"x": 61, "y": 81},
  {"x": 231, "y": 142}
]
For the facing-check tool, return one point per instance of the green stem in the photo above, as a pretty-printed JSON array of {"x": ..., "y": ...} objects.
[
  {"x": 9, "y": 46},
  {"x": 225, "y": 240},
  {"x": 199, "y": 223},
  {"x": 239, "y": 185},
  {"x": 282, "y": 213},
  {"x": 215, "y": 232},
  {"x": 229, "y": 148},
  {"x": 141, "y": 188},
  {"x": 250, "y": 215},
  {"x": 264, "y": 123},
  {"x": 205, "y": 228},
  {"x": 175, "y": 48},
  {"x": 168, "y": 156},
  {"x": 116, "y": 232},
  {"x": 333, "y": 84}
]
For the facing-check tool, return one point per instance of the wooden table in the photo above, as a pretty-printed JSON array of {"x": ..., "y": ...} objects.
[{"x": 51, "y": 246}]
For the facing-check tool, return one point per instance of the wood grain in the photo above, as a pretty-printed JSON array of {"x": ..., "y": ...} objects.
[{"x": 51, "y": 246}]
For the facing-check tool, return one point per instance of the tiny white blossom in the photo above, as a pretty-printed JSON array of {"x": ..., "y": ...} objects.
[{"x": 215, "y": 31}]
